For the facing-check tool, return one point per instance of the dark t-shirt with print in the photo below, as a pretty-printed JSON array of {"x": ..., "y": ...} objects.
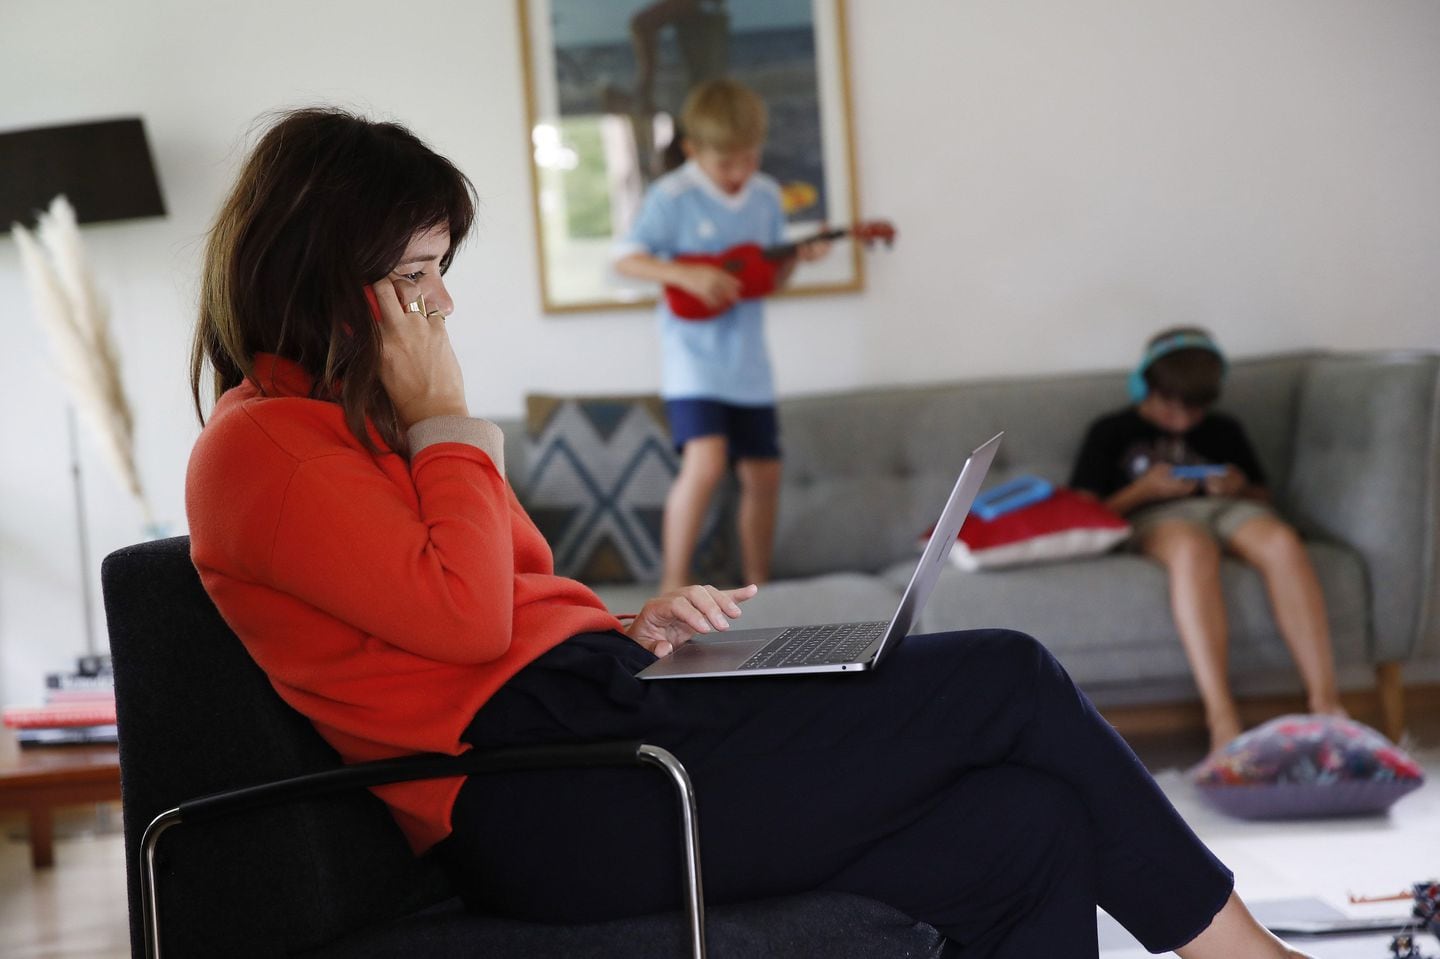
[{"x": 1121, "y": 446}]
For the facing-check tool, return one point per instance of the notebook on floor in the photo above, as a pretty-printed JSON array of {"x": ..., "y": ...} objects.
[{"x": 833, "y": 647}]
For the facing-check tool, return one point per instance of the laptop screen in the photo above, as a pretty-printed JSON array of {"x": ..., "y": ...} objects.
[{"x": 947, "y": 528}]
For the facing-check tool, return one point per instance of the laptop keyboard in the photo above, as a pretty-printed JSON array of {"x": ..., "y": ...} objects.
[{"x": 816, "y": 645}]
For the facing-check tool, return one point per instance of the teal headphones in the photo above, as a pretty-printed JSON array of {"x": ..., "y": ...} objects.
[{"x": 1164, "y": 347}]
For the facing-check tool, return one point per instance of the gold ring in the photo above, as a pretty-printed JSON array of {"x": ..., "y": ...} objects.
[
  {"x": 414, "y": 307},
  {"x": 435, "y": 313}
]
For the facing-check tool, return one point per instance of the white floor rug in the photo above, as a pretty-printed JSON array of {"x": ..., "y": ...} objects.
[{"x": 1293, "y": 869}]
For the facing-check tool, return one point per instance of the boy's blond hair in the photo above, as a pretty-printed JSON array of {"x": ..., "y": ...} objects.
[{"x": 724, "y": 115}]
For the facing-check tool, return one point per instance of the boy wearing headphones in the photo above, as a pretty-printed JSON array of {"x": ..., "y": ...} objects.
[{"x": 1188, "y": 481}]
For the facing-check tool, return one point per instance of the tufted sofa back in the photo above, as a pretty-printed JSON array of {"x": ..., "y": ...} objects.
[{"x": 866, "y": 472}]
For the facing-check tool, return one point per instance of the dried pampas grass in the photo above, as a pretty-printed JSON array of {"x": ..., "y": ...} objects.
[{"x": 78, "y": 322}]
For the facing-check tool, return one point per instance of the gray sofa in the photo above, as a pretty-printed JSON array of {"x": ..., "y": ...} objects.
[{"x": 1351, "y": 443}]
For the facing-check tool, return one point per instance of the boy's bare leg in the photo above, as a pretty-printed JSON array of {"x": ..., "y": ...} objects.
[
  {"x": 759, "y": 502},
  {"x": 702, "y": 464},
  {"x": 1234, "y": 932},
  {"x": 1192, "y": 558},
  {"x": 1272, "y": 546}
]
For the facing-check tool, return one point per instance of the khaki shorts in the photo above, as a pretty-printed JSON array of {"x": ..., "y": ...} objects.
[{"x": 1221, "y": 515}]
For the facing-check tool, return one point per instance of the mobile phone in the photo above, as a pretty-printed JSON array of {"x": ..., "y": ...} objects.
[
  {"x": 1196, "y": 472},
  {"x": 373, "y": 301}
]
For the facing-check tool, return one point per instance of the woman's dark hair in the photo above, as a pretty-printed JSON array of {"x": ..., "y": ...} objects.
[
  {"x": 1191, "y": 375},
  {"x": 325, "y": 204}
]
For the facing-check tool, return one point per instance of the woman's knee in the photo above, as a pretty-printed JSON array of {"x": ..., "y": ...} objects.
[{"x": 1007, "y": 658}]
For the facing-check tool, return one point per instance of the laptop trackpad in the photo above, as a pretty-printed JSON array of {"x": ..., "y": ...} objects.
[{"x": 711, "y": 654}]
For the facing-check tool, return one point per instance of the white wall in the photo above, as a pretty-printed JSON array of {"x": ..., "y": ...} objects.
[{"x": 1067, "y": 177}]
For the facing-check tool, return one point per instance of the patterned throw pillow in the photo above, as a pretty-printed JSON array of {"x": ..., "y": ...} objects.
[
  {"x": 597, "y": 473},
  {"x": 1307, "y": 766}
]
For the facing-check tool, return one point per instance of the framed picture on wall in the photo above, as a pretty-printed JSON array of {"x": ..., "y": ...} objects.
[{"x": 604, "y": 84}]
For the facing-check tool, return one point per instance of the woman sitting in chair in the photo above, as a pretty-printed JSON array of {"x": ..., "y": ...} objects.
[{"x": 354, "y": 525}]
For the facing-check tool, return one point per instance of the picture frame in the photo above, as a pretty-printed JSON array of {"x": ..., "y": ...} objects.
[{"x": 604, "y": 81}]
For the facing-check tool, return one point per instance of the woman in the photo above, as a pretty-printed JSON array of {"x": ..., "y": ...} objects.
[{"x": 354, "y": 525}]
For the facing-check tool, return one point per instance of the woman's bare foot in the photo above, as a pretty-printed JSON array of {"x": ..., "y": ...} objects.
[{"x": 1234, "y": 933}]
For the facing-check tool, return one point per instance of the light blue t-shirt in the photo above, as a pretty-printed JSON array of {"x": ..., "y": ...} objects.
[{"x": 724, "y": 358}]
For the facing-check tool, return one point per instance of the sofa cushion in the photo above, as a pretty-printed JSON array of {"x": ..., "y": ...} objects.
[
  {"x": 1117, "y": 627},
  {"x": 1307, "y": 766}
]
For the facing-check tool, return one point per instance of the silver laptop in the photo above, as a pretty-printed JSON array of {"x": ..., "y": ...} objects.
[{"x": 836, "y": 647}]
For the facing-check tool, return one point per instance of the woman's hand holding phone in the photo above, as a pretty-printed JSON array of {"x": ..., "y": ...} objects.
[{"x": 418, "y": 367}]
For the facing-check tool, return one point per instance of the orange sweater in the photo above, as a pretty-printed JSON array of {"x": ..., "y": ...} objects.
[{"x": 386, "y": 600}]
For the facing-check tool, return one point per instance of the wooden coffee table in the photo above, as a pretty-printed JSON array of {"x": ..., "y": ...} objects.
[{"x": 37, "y": 779}]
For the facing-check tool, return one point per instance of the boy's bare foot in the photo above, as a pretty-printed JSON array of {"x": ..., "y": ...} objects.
[{"x": 1223, "y": 732}]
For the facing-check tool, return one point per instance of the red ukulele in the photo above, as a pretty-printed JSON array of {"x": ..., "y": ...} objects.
[{"x": 757, "y": 266}]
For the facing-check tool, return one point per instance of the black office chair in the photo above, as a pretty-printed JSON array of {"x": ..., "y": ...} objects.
[{"x": 283, "y": 852}]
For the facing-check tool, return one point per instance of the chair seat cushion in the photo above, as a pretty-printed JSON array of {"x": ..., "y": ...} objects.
[{"x": 831, "y": 925}]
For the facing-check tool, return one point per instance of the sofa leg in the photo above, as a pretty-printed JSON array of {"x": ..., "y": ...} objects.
[{"x": 1392, "y": 700}]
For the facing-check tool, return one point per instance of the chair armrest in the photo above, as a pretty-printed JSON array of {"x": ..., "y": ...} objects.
[
  {"x": 432, "y": 766},
  {"x": 407, "y": 769}
]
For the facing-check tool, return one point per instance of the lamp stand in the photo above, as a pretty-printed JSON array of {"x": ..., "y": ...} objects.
[{"x": 82, "y": 531}]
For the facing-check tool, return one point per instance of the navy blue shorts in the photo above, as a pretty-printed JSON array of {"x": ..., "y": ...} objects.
[{"x": 751, "y": 431}]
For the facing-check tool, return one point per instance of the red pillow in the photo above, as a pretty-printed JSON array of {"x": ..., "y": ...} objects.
[{"x": 1067, "y": 524}]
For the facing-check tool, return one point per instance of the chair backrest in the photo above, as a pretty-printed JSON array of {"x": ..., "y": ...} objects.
[{"x": 196, "y": 716}]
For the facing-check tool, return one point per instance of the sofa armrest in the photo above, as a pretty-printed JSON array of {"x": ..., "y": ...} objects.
[{"x": 1366, "y": 473}]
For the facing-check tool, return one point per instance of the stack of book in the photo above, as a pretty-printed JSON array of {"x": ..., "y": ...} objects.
[{"x": 79, "y": 708}]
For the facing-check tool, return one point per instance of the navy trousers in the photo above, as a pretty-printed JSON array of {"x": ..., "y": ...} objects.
[{"x": 966, "y": 781}]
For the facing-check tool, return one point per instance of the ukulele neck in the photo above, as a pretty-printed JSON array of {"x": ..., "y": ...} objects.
[{"x": 785, "y": 251}]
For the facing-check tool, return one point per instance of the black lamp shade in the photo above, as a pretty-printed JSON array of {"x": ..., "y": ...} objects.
[{"x": 104, "y": 168}]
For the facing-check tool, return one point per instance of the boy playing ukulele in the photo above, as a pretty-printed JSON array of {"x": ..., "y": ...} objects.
[{"x": 716, "y": 379}]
